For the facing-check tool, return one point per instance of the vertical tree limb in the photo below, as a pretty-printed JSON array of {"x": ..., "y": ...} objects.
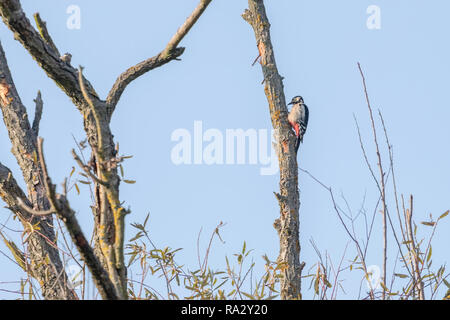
[
  {"x": 51, "y": 274},
  {"x": 287, "y": 225}
]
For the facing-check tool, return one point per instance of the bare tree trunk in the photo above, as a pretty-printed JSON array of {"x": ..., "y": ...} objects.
[{"x": 287, "y": 225}]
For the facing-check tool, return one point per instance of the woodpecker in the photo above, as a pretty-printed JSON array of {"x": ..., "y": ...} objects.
[{"x": 298, "y": 119}]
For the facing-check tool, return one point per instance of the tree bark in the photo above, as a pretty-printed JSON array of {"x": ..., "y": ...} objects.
[
  {"x": 46, "y": 264},
  {"x": 287, "y": 225}
]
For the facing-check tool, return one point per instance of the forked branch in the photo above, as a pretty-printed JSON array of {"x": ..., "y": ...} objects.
[{"x": 169, "y": 53}]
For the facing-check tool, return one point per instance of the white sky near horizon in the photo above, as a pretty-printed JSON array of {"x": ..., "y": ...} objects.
[{"x": 317, "y": 47}]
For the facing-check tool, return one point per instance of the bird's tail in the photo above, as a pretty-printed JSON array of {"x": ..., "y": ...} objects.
[{"x": 297, "y": 143}]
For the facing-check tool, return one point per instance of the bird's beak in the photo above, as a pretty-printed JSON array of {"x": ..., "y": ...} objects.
[{"x": 292, "y": 102}]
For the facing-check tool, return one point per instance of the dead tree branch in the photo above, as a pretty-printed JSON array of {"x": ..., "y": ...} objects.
[
  {"x": 287, "y": 225},
  {"x": 37, "y": 113},
  {"x": 42, "y": 27},
  {"x": 169, "y": 53}
]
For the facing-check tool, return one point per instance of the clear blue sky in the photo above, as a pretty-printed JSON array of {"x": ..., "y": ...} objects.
[{"x": 317, "y": 46}]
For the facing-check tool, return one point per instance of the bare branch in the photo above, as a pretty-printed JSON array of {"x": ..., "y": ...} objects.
[
  {"x": 381, "y": 183},
  {"x": 37, "y": 113},
  {"x": 93, "y": 109},
  {"x": 187, "y": 25},
  {"x": 62, "y": 73},
  {"x": 135, "y": 72},
  {"x": 10, "y": 191},
  {"x": 351, "y": 235},
  {"x": 394, "y": 182},
  {"x": 32, "y": 211},
  {"x": 87, "y": 170},
  {"x": 170, "y": 52},
  {"x": 42, "y": 27}
]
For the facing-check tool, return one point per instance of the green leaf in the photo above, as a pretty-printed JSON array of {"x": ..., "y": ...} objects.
[
  {"x": 429, "y": 254},
  {"x": 428, "y": 223},
  {"x": 384, "y": 286},
  {"x": 248, "y": 296},
  {"x": 400, "y": 275},
  {"x": 231, "y": 293},
  {"x": 17, "y": 254},
  {"x": 129, "y": 181},
  {"x": 444, "y": 214},
  {"x": 146, "y": 219},
  {"x": 133, "y": 256},
  {"x": 316, "y": 285},
  {"x": 137, "y": 236},
  {"x": 447, "y": 284}
]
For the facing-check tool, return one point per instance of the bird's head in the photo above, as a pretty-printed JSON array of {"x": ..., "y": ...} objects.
[{"x": 297, "y": 100}]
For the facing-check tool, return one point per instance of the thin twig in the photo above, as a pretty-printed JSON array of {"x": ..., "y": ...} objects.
[
  {"x": 352, "y": 237},
  {"x": 87, "y": 170},
  {"x": 382, "y": 183},
  {"x": 40, "y": 213}
]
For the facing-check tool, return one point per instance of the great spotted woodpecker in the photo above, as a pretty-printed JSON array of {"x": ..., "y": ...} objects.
[{"x": 298, "y": 119}]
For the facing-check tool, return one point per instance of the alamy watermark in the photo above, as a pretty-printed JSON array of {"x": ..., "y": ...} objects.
[
  {"x": 374, "y": 20},
  {"x": 231, "y": 147},
  {"x": 373, "y": 280},
  {"x": 74, "y": 20}
]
